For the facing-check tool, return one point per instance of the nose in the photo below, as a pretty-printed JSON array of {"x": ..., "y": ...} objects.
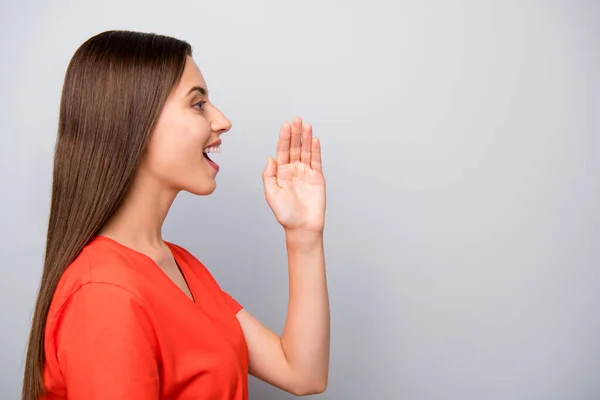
[{"x": 219, "y": 123}]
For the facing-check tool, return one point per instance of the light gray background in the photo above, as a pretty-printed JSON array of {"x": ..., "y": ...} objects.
[{"x": 460, "y": 143}]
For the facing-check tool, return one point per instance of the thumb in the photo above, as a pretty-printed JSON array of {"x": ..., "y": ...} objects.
[{"x": 269, "y": 175}]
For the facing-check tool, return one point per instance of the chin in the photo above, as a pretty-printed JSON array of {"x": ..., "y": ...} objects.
[{"x": 203, "y": 190}]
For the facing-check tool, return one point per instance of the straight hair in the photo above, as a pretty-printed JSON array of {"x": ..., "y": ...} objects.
[{"x": 115, "y": 87}]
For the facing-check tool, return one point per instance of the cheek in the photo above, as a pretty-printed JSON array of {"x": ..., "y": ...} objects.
[{"x": 176, "y": 145}]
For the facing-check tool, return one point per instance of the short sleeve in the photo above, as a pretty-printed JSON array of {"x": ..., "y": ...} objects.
[
  {"x": 231, "y": 302},
  {"x": 106, "y": 346}
]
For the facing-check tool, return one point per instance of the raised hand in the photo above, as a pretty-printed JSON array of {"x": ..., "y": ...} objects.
[{"x": 294, "y": 183}]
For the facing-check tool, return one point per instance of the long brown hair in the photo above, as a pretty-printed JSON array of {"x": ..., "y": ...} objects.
[{"x": 114, "y": 89}]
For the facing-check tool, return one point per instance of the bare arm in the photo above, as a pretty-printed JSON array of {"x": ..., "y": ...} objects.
[{"x": 298, "y": 361}]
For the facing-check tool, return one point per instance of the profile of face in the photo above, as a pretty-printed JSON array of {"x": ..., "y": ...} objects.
[{"x": 188, "y": 130}]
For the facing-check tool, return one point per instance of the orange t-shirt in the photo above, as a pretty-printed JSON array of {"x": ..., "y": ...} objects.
[{"x": 119, "y": 328}]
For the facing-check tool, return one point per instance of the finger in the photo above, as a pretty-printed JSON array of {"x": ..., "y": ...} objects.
[
  {"x": 283, "y": 145},
  {"x": 306, "y": 143},
  {"x": 296, "y": 140},
  {"x": 315, "y": 160},
  {"x": 269, "y": 175}
]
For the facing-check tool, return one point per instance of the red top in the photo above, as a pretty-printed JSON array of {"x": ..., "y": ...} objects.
[{"x": 119, "y": 328}]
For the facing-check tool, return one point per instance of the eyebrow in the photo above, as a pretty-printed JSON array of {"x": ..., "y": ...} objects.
[{"x": 199, "y": 89}]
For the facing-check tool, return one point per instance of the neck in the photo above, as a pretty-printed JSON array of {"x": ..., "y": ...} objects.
[{"x": 138, "y": 221}]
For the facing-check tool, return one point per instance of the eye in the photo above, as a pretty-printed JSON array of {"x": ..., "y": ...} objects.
[{"x": 199, "y": 106}]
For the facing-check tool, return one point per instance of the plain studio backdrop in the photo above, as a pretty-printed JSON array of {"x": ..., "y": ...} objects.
[{"x": 460, "y": 144}]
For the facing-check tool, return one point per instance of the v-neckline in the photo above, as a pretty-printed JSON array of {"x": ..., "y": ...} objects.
[
  {"x": 183, "y": 275},
  {"x": 186, "y": 276}
]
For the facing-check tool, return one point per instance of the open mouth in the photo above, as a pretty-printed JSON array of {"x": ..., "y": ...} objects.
[{"x": 213, "y": 148}]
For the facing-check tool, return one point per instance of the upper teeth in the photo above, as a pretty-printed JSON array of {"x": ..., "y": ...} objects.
[{"x": 214, "y": 149}]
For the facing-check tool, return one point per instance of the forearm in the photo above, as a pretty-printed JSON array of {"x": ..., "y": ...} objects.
[{"x": 305, "y": 338}]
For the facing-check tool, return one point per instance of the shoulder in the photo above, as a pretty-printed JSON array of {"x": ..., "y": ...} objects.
[
  {"x": 100, "y": 261},
  {"x": 99, "y": 322},
  {"x": 100, "y": 291},
  {"x": 98, "y": 265}
]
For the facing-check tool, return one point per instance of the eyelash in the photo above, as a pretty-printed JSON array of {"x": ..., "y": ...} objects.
[{"x": 201, "y": 103}]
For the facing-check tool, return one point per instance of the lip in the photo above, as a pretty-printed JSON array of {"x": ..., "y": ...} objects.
[
  {"x": 216, "y": 143},
  {"x": 213, "y": 164}
]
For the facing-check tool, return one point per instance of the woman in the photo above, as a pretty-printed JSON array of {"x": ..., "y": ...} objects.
[{"x": 122, "y": 314}]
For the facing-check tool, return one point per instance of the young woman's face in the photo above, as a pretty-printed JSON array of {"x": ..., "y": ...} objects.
[{"x": 187, "y": 131}]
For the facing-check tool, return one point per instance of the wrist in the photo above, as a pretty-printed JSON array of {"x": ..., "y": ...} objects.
[{"x": 300, "y": 239}]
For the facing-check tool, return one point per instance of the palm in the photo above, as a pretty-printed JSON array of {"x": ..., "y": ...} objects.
[{"x": 294, "y": 184}]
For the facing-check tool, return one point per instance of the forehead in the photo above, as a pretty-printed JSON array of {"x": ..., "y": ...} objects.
[{"x": 191, "y": 77}]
